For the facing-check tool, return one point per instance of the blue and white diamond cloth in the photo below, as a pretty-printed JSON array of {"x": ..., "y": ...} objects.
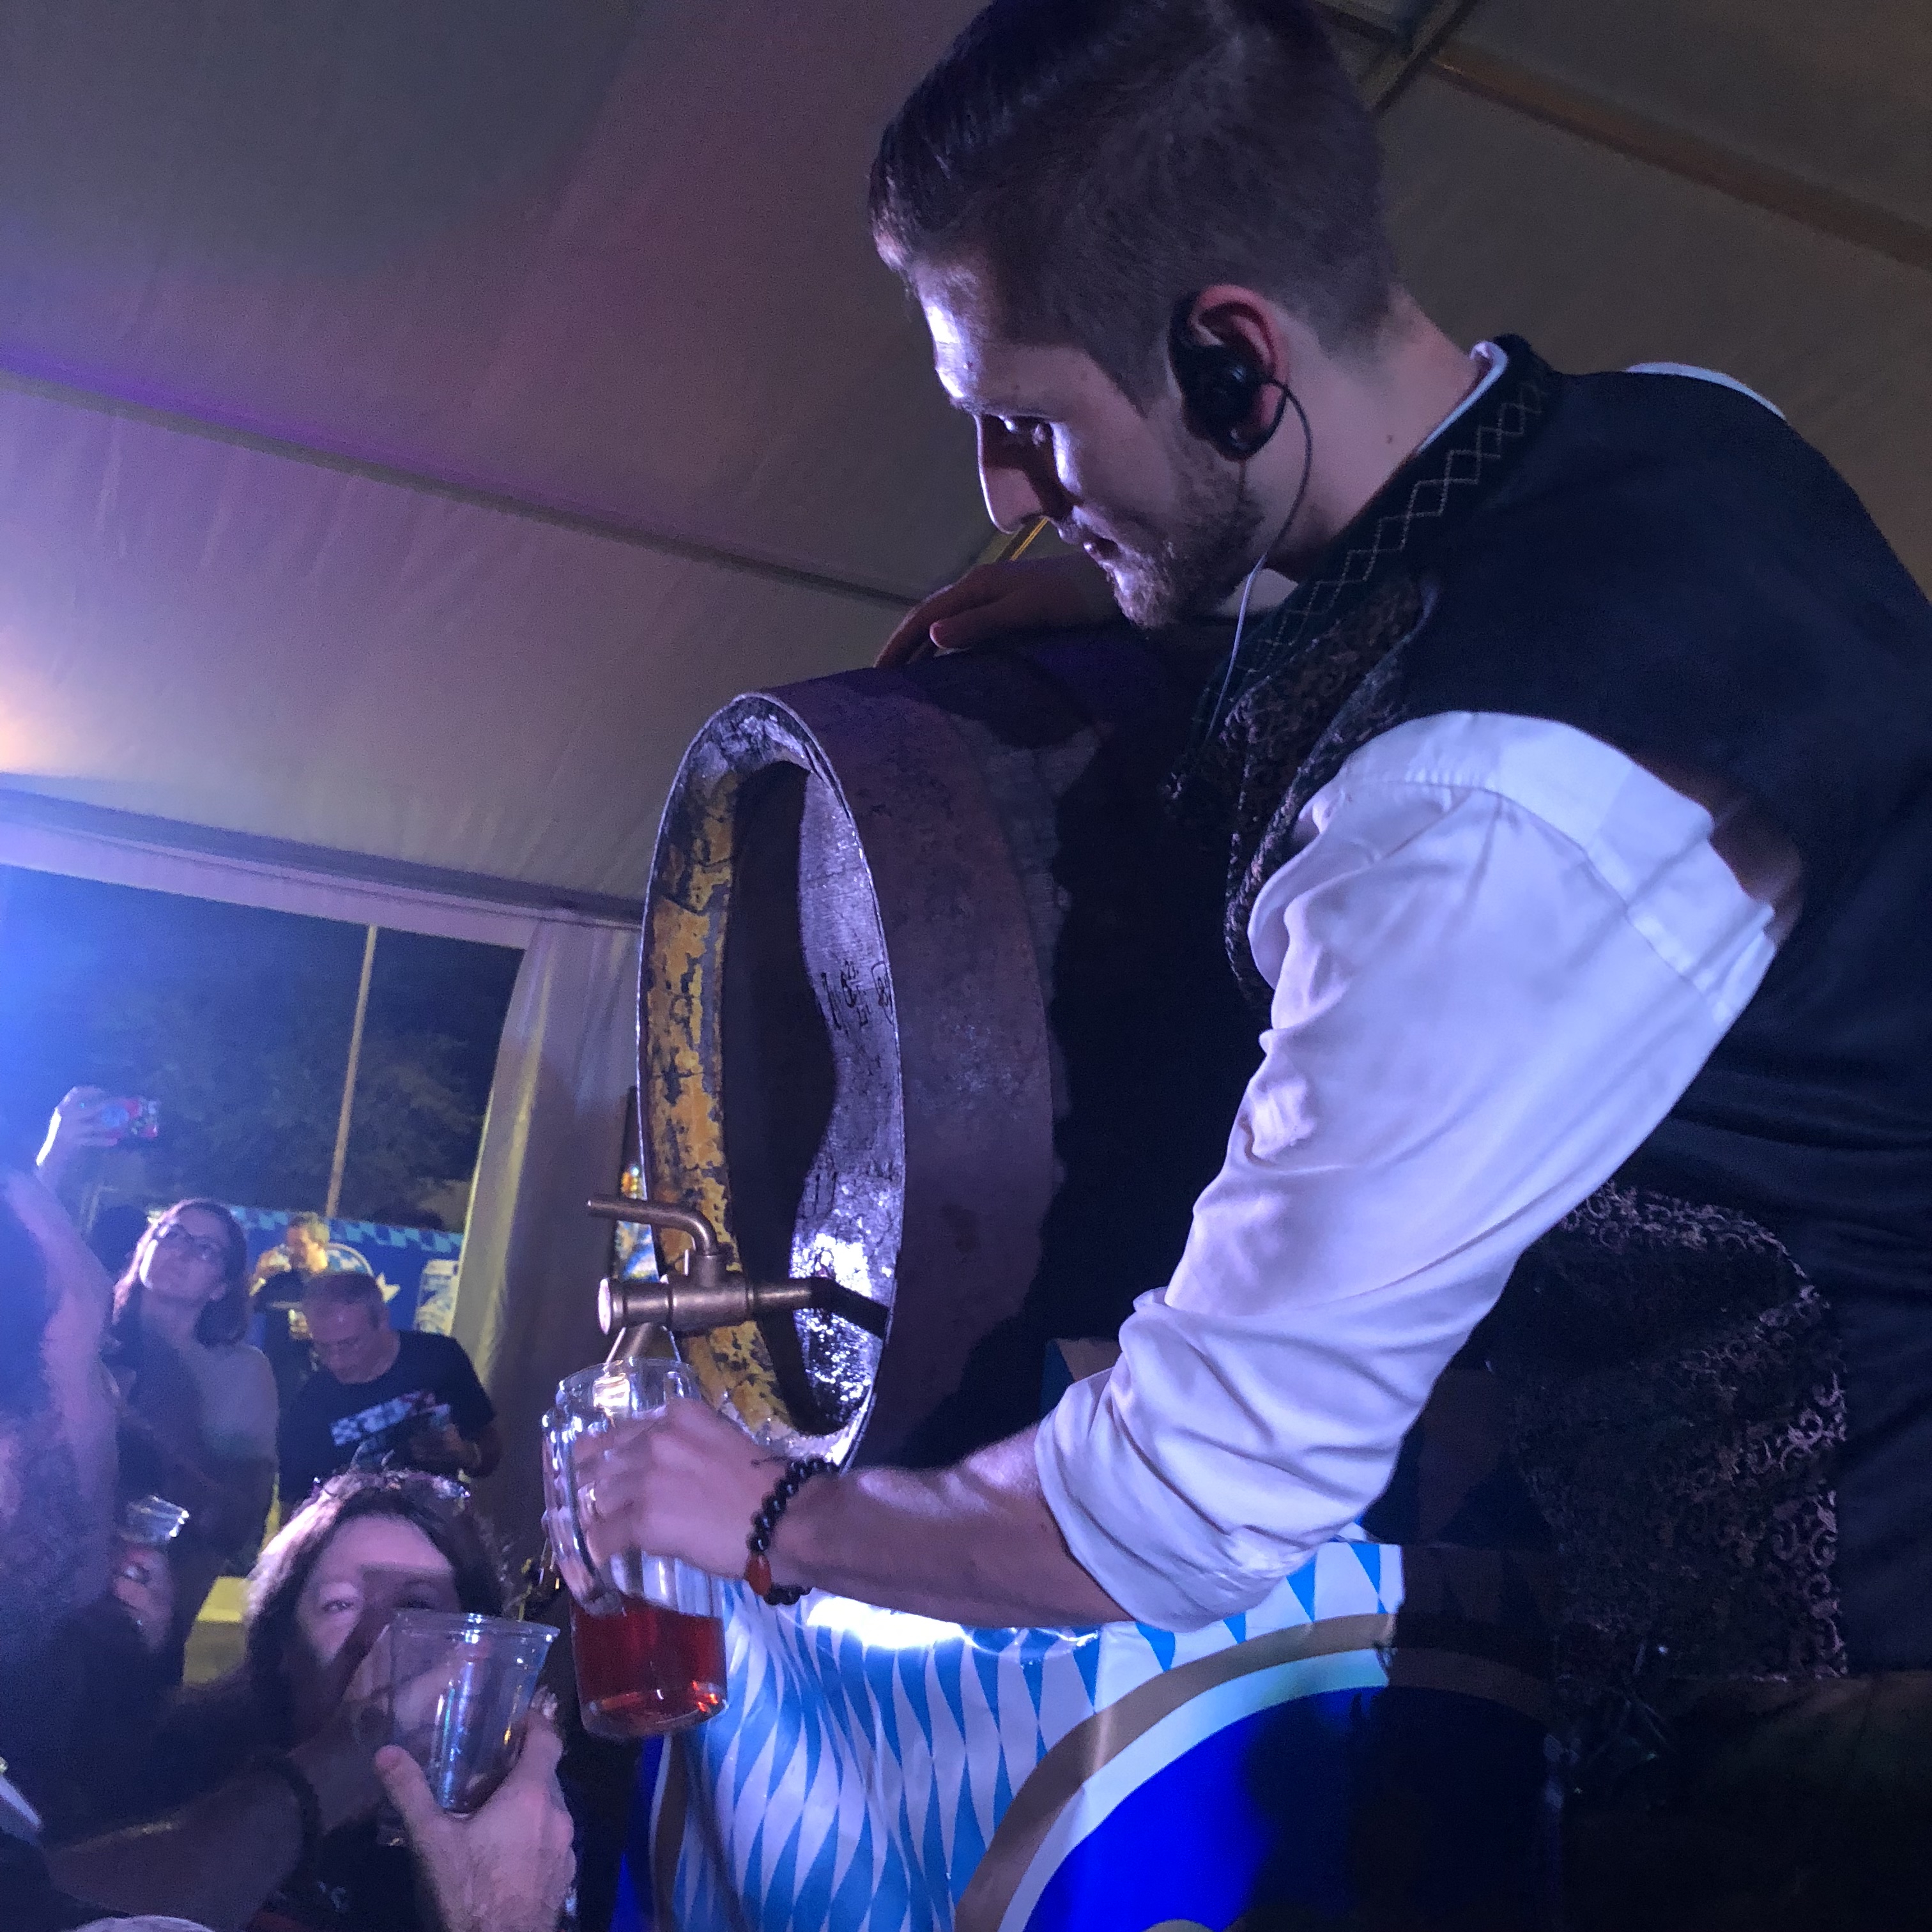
[{"x": 877, "y": 1772}]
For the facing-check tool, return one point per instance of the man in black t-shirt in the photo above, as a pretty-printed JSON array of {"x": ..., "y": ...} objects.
[
  {"x": 284, "y": 1274},
  {"x": 380, "y": 1397}
]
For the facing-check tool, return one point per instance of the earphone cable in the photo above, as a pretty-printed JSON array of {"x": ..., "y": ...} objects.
[{"x": 1289, "y": 400}]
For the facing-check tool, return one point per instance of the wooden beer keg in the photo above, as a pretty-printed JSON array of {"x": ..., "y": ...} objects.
[{"x": 934, "y": 1001}]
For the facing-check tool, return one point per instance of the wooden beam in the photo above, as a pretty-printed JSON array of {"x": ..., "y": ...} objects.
[
  {"x": 341, "y": 1158},
  {"x": 1391, "y": 71},
  {"x": 1383, "y": 19},
  {"x": 1826, "y": 211},
  {"x": 1689, "y": 157}
]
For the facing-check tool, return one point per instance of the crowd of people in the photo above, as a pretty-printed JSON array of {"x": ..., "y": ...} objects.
[
  {"x": 250, "y": 1800},
  {"x": 220, "y": 1427},
  {"x": 1571, "y": 779}
]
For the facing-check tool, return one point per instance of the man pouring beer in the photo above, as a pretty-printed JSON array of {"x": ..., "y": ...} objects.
[{"x": 1577, "y": 809}]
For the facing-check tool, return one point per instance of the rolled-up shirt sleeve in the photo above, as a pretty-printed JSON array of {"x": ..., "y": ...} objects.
[{"x": 1499, "y": 957}]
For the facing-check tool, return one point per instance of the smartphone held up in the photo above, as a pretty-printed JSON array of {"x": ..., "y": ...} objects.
[{"x": 131, "y": 1117}]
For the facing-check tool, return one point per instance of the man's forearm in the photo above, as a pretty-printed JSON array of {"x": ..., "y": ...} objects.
[
  {"x": 216, "y": 1859},
  {"x": 973, "y": 1544},
  {"x": 213, "y": 1862}
]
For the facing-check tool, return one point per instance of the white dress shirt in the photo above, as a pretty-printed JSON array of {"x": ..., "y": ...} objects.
[{"x": 1500, "y": 954}]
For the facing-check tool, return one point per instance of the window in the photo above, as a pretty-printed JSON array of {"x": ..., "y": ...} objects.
[{"x": 238, "y": 1022}]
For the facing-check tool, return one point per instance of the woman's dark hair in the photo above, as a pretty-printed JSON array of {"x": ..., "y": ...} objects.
[
  {"x": 1104, "y": 158},
  {"x": 224, "y": 1321},
  {"x": 441, "y": 1510}
]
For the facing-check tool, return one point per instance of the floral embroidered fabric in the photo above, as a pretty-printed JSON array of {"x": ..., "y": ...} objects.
[{"x": 1676, "y": 1407}]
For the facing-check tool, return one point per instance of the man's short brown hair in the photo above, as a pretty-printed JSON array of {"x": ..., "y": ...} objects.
[
  {"x": 344, "y": 1288},
  {"x": 1105, "y": 158}
]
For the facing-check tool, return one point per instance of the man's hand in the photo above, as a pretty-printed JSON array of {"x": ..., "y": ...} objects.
[
  {"x": 509, "y": 1867},
  {"x": 339, "y": 1759},
  {"x": 143, "y": 1584},
  {"x": 975, "y": 1543},
  {"x": 444, "y": 1450},
  {"x": 75, "y": 1125},
  {"x": 216, "y": 1861},
  {"x": 994, "y": 600},
  {"x": 685, "y": 1483}
]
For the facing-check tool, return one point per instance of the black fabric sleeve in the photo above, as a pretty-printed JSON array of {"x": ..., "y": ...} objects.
[
  {"x": 76, "y": 1717},
  {"x": 470, "y": 1408},
  {"x": 302, "y": 1458}
]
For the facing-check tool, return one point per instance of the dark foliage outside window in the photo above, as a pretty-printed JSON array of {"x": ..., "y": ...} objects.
[{"x": 237, "y": 1021}]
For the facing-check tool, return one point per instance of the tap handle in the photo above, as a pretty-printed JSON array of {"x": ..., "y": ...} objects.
[
  {"x": 685, "y": 1307},
  {"x": 685, "y": 1221}
]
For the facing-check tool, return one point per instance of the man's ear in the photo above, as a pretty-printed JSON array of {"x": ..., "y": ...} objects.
[{"x": 1245, "y": 319}]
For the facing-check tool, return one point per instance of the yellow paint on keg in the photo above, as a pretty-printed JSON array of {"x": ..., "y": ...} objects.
[{"x": 681, "y": 1075}]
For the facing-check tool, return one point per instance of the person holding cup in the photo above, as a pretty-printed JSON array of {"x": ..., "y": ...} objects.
[
  {"x": 507, "y": 1869},
  {"x": 198, "y": 1415},
  {"x": 275, "y": 1773},
  {"x": 251, "y": 1819},
  {"x": 311, "y": 1693},
  {"x": 144, "y": 1586}
]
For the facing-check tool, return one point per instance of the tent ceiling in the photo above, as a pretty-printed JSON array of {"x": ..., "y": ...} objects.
[
  {"x": 597, "y": 274},
  {"x": 588, "y": 255}
]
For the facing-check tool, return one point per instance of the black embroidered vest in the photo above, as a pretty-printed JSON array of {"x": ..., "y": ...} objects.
[{"x": 1720, "y": 1366}]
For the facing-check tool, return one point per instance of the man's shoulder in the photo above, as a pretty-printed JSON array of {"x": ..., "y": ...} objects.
[
  {"x": 1650, "y": 506},
  {"x": 440, "y": 1358},
  {"x": 1671, "y": 568},
  {"x": 416, "y": 1346}
]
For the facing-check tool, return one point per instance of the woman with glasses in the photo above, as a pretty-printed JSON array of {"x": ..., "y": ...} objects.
[{"x": 198, "y": 1426}]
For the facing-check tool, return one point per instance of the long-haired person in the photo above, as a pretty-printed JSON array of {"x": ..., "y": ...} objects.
[
  {"x": 364, "y": 1546},
  {"x": 290, "y": 1735},
  {"x": 199, "y": 1414}
]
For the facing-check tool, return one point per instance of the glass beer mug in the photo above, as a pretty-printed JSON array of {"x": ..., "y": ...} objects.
[{"x": 645, "y": 1630}]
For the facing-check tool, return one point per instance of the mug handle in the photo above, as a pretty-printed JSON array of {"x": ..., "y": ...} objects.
[{"x": 564, "y": 1526}]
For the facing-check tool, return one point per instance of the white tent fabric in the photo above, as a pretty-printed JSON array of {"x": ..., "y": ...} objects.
[
  {"x": 211, "y": 634},
  {"x": 526, "y": 1308},
  {"x": 602, "y": 269},
  {"x": 624, "y": 417}
]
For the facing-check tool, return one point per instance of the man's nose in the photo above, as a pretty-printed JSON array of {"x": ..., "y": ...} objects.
[
  {"x": 1011, "y": 501},
  {"x": 1018, "y": 479}
]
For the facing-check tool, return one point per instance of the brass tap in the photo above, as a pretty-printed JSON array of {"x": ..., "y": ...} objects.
[{"x": 702, "y": 1293}]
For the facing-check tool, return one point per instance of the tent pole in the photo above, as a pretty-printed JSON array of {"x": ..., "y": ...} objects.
[{"x": 336, "y": 1166}]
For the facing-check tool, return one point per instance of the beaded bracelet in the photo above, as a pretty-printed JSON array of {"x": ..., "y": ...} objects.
[{"x": 798, "y": 1472}]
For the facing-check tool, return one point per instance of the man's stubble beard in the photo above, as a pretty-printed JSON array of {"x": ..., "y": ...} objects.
[{"x": 1191, "y": 571}]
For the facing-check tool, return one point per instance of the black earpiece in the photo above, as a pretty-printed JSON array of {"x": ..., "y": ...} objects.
[{"x": 1219, "y": 386}]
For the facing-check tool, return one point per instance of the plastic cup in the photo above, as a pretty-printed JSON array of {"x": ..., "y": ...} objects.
[
  {"x": 460, "y": 1689},
  {"x": 152, "y": 1522}
]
